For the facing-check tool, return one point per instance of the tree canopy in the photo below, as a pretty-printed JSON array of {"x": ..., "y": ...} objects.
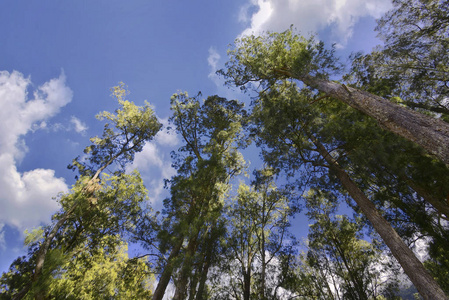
[{"x": 364, "y": 157}]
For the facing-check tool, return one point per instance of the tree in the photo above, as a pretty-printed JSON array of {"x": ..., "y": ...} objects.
[
  {"x": 206, "y": 163},
  {"x": 107, "y": 273},
  {"x": 413, "y": 61},
  {"x": 276, "y": 56},
  {"x": 98, "y": 203},
  {"x": 258, "y": 221},
  {"x": 351, "y": 266},
  {"x": 290, "y": 124}
]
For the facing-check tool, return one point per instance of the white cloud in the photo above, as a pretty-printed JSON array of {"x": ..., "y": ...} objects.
[
  {"x": 212, "y": 61},
  {"x": 80, "y": 126},
  {"x": 26, "y": 198},
  {"x": 258, "y": 19},
  {"x": 2, "y": 237},
  {"x": 154, "y": 164},
  {"x": 166, "y": 137},
  {"x": 310, "y": 16}
]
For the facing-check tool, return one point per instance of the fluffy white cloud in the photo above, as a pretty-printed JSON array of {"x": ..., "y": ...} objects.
[
  {"x": 166, "y": 137},
  {"x": 80, "y": 126},
  {"x": 212, "y": 61},
  {"x": 26, "y": 198},
  {"x": 309, "y": 16},
  {"x": 2, "y": 237}
]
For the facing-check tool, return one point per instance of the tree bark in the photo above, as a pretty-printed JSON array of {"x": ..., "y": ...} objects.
[
  {"x": 430, "y": 133},
  {"x": 247, "y": 282},
  {"x": 205, "y": 267},
  {"x": 414, "y": 269},
  {"x": 181, "y": 286},
  {"x": 168, "y": 270}
]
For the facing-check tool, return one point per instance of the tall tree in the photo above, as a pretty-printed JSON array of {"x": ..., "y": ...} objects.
[
  {"x": 336, "y": 247},
  {"x": 209, "y": 159},
  {"x": 291, "y": 126},
  {"x": 413, "y": 62},
  {"x": 277, "y": 56},
  {"x": 98, "y": 204},
  {"x": 258, "y": 221}
]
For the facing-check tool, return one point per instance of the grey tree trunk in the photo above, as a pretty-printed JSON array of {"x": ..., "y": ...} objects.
[
  {"x": 168, "y": 270},
  {"x": 430, "y": 133},
  {"x": 183, "y": 279},
  {"x": 422, "y": 280}
]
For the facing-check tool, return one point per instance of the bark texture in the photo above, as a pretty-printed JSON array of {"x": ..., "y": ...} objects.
[{"x": 430, "y": 133}]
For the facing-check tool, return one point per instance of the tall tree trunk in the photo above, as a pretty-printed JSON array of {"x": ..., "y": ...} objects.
[
  {"x": 206, "y": 265},
  {"x": 247, "y": 282},
  {"x": 205, "y": 270},
  {"x": 181, "y": 285},
  {"x": 414, "y": 269},
  {"x": 194, "y": 281},
  {"x": 430, "y": 133},
  {"x": 264, "y": 264},
  {"x": 168, "y": 270}
]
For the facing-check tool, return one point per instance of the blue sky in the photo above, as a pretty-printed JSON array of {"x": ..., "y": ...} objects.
[{"x": 58, "y": 60}]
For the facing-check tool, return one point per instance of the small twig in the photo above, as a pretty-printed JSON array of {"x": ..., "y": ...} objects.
[{"x": 320, "y": 98}]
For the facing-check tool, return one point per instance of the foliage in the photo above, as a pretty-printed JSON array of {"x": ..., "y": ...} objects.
[
  {"x": 412, "y": 65},
  {"x": 99, "y": 205},
  {"x": 107, "y": 274},
  {"x": 263, "y": 59},
  {"x": 206, "y": 162},
  {"x": 214, "y": 242},
  {"x": 258, "y": 221}
]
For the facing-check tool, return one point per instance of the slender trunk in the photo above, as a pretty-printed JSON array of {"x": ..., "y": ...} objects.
[
  {"x": 414, "y": 269},
  {"x": 181, "y": 286},
  {"x": 263, "y": 271},
  {"x": 247, "y": 282},
  {"x": 205, "y": 270},
  {"x": 440, "y": 206},
  {"x": 168, "y": 270},
  {"x": 430, "y": 133},
  {"x": 194, "y": 281}
]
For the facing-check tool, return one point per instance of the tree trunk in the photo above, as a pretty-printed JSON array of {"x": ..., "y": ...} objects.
[
  {"x": 414, "y": 269},
  {"x": 247, "y": 282},
  {"x": 168, "y": 270},
  {"x": 430, "y": 133},
  {"x": 181, "y": 286},
  {"x": 206, "y": 265},
  {"x": 263, "y": 263}
]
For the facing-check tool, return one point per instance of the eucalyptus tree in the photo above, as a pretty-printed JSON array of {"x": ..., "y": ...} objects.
[
  {"x": 295, "y": 131},
  {"x": 99, "y": 204},
  {"x": 272, "y": 57},
  {"x": 258, "y": 222},
  {"x": 412, "y": 65},
  {"x": 108, "y": 273},
  {"x": 352, "y": 266},
  {"x": 208, "y": 160},
  {"x": 409, "y": 187}
]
